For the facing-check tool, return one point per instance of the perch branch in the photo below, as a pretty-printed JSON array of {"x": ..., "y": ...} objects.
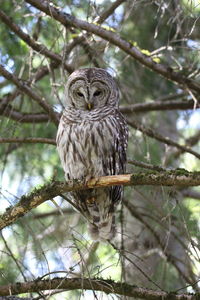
[
  {"x": 179, "y": 177},
  {"x": 115, "y": 39},
  {"x": 97, "y": 284}
]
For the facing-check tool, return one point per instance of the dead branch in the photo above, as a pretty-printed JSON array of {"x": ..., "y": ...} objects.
[
  {"x": 97, "y": 284},
  {"x": 179, "y": 177}
]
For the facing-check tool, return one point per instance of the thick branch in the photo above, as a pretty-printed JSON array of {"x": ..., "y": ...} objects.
[
  {"x": 28, "y": 140},
  {"x": 178, "y": 177},
  {"x": 106, "y": 286},
  {"x": 27, "y": 90},
  {"x": 69, "y": 20}
]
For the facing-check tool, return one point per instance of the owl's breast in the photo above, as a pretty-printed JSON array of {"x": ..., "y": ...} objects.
[{"x": 84, "y": 146}]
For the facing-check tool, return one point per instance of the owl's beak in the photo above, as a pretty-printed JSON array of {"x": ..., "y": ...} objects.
[{"x": 89, "y": 106}]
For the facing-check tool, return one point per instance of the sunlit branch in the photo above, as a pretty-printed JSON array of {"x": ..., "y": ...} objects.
[
  {"x": 55, "y": 188},
  {"x": 113, "y": 38}
]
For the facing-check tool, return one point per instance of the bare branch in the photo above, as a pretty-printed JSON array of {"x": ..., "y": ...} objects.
[
  {"x": 97, "y": 284},
  {"x": 107, "y": 13},
  {"x": 191, "y": 194},
  {"x": 18, "y": 116},
  {"x": 28, "y": 140},
  {"x": 27, "y": 90},
  {"x": 145, "y": 165},
  {"x": 161, "y": 138},
  {"x": 161, "y": 105},
  {"x": 32, "y": 43},
  {"x": 191, "y": 141},
  {"x": 69, "y": 20},
  {"x": 68, "y": 211},
  {"x": 170, "y": 257},
  {"x": 179, "y": 177}
]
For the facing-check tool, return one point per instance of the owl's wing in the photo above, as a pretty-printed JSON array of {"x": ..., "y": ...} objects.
[{"x": 117, "y": 159}]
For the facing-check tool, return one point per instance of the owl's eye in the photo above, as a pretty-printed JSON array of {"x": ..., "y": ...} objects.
[
  {"x": 97, "y": 93},
  {"x": 80, "y": 94}
]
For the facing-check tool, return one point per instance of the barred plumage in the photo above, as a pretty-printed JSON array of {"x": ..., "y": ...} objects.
[{"x": 92, "y": 141}]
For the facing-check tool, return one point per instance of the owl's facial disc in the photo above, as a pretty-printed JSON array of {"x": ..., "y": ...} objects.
[{"x": 86, "y": 96}]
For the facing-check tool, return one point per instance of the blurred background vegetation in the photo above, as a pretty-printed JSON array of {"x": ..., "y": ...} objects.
[{"x": 158, "y": 241}]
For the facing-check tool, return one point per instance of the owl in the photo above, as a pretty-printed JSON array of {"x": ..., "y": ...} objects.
[{"x": 91, "y": 141}]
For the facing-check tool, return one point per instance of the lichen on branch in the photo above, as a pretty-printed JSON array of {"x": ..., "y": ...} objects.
[{"x": 179, "y": 177}]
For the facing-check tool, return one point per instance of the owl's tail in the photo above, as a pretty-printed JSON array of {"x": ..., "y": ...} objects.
[{"x": 103, "y": 230}]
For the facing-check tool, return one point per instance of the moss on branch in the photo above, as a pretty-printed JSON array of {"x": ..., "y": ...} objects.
[{"x": 179, "y": 177}]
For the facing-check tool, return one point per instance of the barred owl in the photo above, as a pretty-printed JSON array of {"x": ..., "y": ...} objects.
[{"x": 92, "y": 141}]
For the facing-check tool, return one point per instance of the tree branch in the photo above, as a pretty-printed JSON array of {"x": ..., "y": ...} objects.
[
  {"x": 106, "y": 286},
  {"x": 28, "y": 140},
  {"x": 27, "y": 90},
  {"x": 8, "y": 111},
  {"x": 33, "y": 44},
  {"x": 107, "y": 13},
  {"x": 191, "y": 141},
  {"x": 161, "y": 138},
  {"x": 161, "y": 105},
  {"x": 69, "y": 20},
  {"x": 179, "y": 177}
]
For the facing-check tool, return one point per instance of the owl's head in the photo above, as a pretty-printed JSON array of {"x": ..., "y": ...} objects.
[{"x": 91, "y": 88}]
